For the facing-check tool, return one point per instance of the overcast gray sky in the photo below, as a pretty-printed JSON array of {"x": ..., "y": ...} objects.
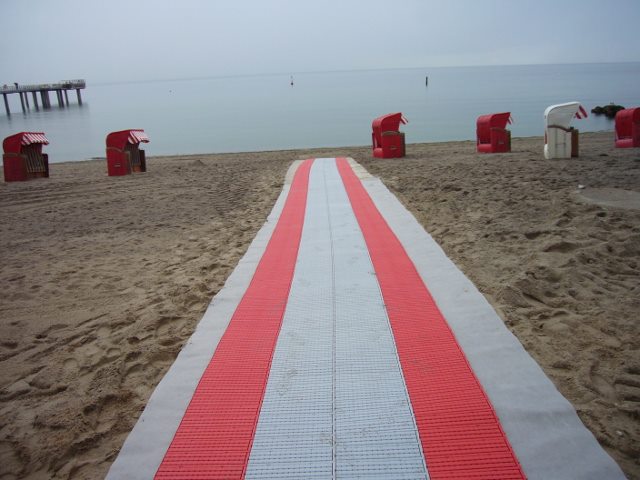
[{"x": 45, "y": 40}]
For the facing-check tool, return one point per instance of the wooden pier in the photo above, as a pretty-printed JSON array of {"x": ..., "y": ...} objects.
[{"x": 61, "y": 89}]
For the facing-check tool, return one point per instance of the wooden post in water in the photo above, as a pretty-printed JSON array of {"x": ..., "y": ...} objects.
[
  {"x": 79, "y": 96},
  {"x": 26, "y": 100},
  {"x": 6, "y": 104},
  {"x": 46, "y": 102},
  {"x": 66, "y": 97},
  {"x": 60, "y": 100},
  {"x": 426, "y": 81},
  {"x": 24, "y": 110},
  {"x": 35, "y": 100}
]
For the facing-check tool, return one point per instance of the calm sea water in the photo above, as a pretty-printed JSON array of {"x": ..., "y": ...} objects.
[{"x": 252, "y": 113}]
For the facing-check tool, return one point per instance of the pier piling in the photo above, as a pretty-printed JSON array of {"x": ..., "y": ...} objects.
[
  {"x": 35, "y": 100},
  {"x": 6, "y": 104}
]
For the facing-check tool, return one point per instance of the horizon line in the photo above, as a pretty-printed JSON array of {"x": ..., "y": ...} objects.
[{"x": 341, "y": 70}]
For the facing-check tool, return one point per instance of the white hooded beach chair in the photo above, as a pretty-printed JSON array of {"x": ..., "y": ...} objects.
[{"x": 560, "y": 139}]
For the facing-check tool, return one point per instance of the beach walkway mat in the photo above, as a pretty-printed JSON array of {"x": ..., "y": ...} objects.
[{"x": 346, "y": 344}]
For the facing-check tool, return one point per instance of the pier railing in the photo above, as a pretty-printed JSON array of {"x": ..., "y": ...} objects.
[{"x": 62, "y": 85}]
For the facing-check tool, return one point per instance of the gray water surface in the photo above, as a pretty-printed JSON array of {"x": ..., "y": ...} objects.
[{"x": 253, "y": 113}]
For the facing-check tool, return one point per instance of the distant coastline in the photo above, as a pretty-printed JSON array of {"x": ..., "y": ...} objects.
[{"x": 194, "y": 78}]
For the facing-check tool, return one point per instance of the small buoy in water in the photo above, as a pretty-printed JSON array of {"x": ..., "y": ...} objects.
[{"x": 292, "y": 80}]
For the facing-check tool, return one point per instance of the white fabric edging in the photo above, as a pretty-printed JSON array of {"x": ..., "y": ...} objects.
[
  {"x": 150, "y": 438},
  {"x": 544, "y": 430}
]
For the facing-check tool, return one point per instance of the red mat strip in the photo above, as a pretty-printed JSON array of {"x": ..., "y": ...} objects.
[
  {"x": 460, "y": 433},
  {"x": 215, "y": 435}
]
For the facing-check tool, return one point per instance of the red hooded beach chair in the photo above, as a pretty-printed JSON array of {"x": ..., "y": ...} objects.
[
  {"x": 628, "y": 128},
  {"x": 23, "y": 158},
  {"x": 388, "y": 140},
  {"x": 123, "y": 153},
  {"x": 492, "y": 134}
]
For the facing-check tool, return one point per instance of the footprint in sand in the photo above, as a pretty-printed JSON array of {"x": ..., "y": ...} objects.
[
  {"x": 133, "y": 371},
  {"x": 532, "y": 235},
  {"x": 169, "y": 341},
  {"x": 557, "y": 323},
  {"x": 560, "y": 247},
  {"x": 164, "y": 324},
  {"x": 103, "y": 332},
  {"x": 600, "y": 384},
  {"x": 88, "y": 354},
  {"x": 112, "y": 354},
  {"x": 70, "y": 365},
  {"x": 627, "y": 385}
]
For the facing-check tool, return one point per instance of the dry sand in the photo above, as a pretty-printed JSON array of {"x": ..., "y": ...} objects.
[{"x": 103, "y": 279}]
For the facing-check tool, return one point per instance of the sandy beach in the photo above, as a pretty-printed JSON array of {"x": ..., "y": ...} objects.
[{"x": 104, "y": 279}]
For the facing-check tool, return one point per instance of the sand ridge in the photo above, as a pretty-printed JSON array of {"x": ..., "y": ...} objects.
[{"x": 103, "y": 280}]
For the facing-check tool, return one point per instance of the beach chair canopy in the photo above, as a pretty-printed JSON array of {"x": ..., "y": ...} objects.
[
  {"x": 388, "y": 123},
  {"x": 485, "y": 123},
  {"x": 120, "y": 139},
  {"x": 627, "y": 122},
  {"x": 14, "y": 143},
  {"x": 561, "y": 115}
]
